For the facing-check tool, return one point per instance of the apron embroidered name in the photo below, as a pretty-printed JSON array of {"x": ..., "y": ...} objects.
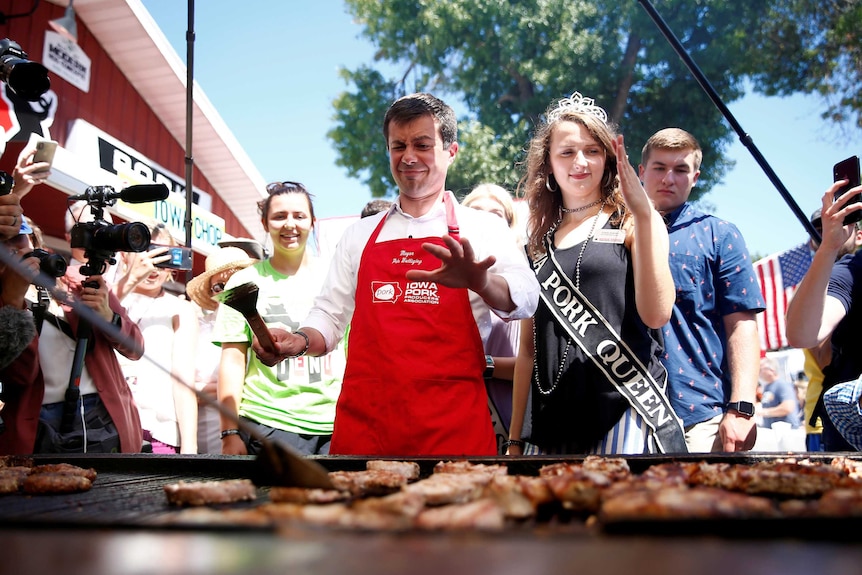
[{"x": 590, "y": 331}]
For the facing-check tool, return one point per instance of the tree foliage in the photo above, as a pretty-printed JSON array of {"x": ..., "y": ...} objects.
[
  {"x": 814, "y": 47},
  {"x": 500, "y": 63}
]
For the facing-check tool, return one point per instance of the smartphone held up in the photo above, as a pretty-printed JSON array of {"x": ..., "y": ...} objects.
[
  {"x": 848, "y": 170},
  {"x": 45, "y": 149},
  {"x": 180, "y": 257}
]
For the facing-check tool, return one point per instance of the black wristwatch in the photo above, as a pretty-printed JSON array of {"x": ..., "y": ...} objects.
[
  {"x": 117, "y": 321},
  {"x": 745, "y": 408},
  {"x": 489, "y": 367}
]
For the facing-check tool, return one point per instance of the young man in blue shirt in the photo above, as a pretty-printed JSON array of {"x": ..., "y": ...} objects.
[{"x": 712, "y": 350}]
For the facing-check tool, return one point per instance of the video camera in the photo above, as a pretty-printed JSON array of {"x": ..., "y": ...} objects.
[
  {"x": 102, "y": 240},
  {"x": 27, "y": 79}
]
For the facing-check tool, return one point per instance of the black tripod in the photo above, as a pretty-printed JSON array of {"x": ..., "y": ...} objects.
[
  {"x": 82, "y": 342},
  {"x": 73, "y": 391}
]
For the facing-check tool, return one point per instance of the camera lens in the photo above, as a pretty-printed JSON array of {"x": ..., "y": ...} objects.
[
  {"x": 131, "y": 237},
  {"x": 52, "y": 265},
  {"x": 27, "y": 79},
  {"x": 137, "y": 237}
]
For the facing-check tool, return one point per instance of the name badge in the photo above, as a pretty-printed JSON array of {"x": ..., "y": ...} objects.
[{"x": 606, "y": 236}]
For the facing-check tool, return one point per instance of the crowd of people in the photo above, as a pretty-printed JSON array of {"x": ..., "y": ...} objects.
[{"x": 620, "y": 320}]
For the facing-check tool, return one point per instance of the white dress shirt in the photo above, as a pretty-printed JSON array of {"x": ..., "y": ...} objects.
[{"x": 487, "y": 233}]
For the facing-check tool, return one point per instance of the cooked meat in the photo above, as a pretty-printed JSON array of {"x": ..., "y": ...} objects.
[
  {"x": 370, "y": 482},
  {"x": 782, "y": 478},
  {"x": 303, "y": 495},
  {"x": 483, "y": 514},
  {"x": 409, "y": 469},
  {"x": 615, "y": 468},
  {"x": 579, "y": 489},
  {"x": 467, "y": 467},
  {"x": 518, "y": 495},
  {"x": 65, "y": 468},
  {"x": 447, "y": 488},
  {"x": 210, "y": 492},
  {"x": 12, "y": 478},
  {"x": 46, "y": 483},
  {"x": 330, "y": 514},
  {"x": 15, "y": 461},
  {"x": 684, "y": 503}
]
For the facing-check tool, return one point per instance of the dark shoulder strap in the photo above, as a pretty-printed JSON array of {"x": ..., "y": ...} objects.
[
  {"x": 39, "y": 315},
  {"x": 39, "y": 307}
]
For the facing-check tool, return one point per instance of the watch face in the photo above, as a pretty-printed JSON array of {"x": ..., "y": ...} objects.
[{"x": 743, "y": 407}]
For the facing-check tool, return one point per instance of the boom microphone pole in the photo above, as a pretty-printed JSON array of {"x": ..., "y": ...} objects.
[
  {"x": 189, "y": 160},
  {"x": 743, "y": 136}
]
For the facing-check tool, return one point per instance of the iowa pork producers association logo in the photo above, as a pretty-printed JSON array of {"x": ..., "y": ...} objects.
[
  {"x": 421, "y": 292},
  {"x": 385, "y": 292}
]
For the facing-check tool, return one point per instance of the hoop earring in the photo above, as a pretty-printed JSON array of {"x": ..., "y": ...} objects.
[
  {"x": 607, "y": 182},
  {"x": 548, "y": 184}
]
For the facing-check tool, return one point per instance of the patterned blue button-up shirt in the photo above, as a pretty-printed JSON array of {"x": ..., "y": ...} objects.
[{"x": 714, "y": 278}]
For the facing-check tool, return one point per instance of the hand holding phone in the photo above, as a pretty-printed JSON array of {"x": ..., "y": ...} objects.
[
  {"x": 45, "y": 149},
  {"x": 848, "y": 170},
  {"x": 180, "y": 257}
]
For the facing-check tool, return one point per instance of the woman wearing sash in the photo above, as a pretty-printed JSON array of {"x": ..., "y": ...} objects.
[{"x": 589, "y": 358}]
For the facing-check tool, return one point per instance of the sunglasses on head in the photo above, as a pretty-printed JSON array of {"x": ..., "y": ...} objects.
[{"x": 282, "y": 187}]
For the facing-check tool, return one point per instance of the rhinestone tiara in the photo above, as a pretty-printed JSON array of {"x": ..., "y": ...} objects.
[{"x": 576, "y": 104}]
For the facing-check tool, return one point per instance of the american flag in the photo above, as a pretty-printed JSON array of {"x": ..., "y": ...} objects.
[{"x": 779, "y": 275}]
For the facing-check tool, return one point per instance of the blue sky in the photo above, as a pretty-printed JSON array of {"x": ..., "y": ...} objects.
[{"x": 272, "y": 74}]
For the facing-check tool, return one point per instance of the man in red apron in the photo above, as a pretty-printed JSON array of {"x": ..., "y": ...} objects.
[{"x": 418, "y": 295}]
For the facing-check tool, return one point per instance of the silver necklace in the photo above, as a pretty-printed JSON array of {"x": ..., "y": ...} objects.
[
  {"x": 566, "y": 210},
  {"x": 578, "y": 286}
]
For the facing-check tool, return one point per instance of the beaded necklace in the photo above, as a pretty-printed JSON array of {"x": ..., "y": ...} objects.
[{"x": 577, "y": 286}]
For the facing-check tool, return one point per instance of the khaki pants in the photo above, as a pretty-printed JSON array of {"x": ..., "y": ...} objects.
[{"x": 703, "y": 437}]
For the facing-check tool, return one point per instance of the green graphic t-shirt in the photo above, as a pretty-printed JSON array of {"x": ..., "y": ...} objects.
[{"x": 297, "y": 395}]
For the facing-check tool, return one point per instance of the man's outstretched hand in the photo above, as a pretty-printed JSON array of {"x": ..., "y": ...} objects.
[{"x": 459, "y": 268}]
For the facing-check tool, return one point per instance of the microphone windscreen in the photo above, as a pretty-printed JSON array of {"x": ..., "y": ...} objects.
[
  {"x": 144, "y": 193},
  {"x": 17, "y": 330}
]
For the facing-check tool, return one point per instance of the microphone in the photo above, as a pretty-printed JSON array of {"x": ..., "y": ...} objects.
[
  {"x": 139, "y": 194},
  {"x": 144, "y": 193}
]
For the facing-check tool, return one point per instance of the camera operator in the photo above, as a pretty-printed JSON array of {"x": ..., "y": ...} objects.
[
  {"x": 16, "y": 325},
  {"x": 35, "y": 383}
]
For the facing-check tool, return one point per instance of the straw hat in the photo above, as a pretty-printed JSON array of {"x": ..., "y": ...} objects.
[
  {"x": 224, "y": 259},
  {"x": 252, "y": 247}
]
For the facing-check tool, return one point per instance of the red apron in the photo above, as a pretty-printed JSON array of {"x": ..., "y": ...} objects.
[{"x": 413, "y": 384}]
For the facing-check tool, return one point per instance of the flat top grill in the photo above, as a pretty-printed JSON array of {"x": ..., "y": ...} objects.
[
  {"x": 117, "y": 528},
  {"x": 128, "y": 493}
]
